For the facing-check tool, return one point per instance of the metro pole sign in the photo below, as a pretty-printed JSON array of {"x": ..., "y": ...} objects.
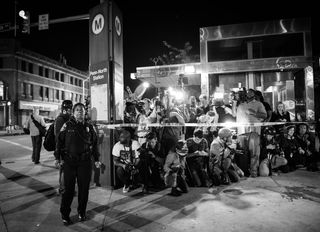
[{"x": 43, "y": 22}]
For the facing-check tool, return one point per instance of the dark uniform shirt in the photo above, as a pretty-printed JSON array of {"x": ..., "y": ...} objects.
[{"x": 77, "y": 141}]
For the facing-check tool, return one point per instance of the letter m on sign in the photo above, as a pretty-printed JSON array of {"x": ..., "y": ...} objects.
[{"x": 97, "y": 24}]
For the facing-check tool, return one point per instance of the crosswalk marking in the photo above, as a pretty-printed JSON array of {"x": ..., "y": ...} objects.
[{"x": 17, "y": 144}]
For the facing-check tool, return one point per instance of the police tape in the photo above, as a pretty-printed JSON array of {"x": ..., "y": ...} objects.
[{"x": 226, "y": 124}]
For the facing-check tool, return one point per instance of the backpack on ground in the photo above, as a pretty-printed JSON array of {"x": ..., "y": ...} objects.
[{"x": 49, "y": 142}]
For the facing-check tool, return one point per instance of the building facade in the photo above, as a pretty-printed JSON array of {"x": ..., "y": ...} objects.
[
  {"x": 274, "y": 57},
  {"x": 29, "y": 80}
]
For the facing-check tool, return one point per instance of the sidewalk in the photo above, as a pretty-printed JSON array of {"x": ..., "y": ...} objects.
[
  {"x": 16, "y": 132},
  {"x": 289, "y": 202}
]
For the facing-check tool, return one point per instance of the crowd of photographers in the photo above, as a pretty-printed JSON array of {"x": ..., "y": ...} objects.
[{"x": 209, "y": 155}]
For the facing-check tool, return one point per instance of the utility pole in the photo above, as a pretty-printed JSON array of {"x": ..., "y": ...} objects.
[{"x": 15, "y": 18}]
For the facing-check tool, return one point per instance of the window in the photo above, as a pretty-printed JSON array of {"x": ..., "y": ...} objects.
[
  {"x": 75, "y": 81},
  {"x": 24, "y": 89},
  {"x": 62, "y": 95},
  {"x": 46, "y": 72},
  {"x": 57, "y": 94},
  {"x": 262, "y": 47},
  {"x": 40, "y": 71},
  {"x": 30, "y": 68},
  {"x": 76, "y": 99},
  {"x": 62, "y": 77},
  {"x": 278, "y": 45},
  {"x": 47, "y": 93},
  {"x": 80, "y": 83},
  {"x": 31, "y": 90},
  {"x": 1, "y": 91},
  {"x": 71, "y": 80},
  {"x": 41, "y": 91},
  {"x": 1, "y": 62},
  {"x": 71, "y": 96},
  {"x": 23, "y": 66},
  {"x": 56, "y": 76}
]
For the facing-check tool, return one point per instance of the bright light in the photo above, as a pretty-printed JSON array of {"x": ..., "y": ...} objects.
[
  {"x": 218, "y": 95},
  {"x": 189, "y": 69},
  {"x": 146, "y": 84},
  {"x": 229, "y": 124},
  {"x": 179, "y": 95},
  {"x": 22, "y": 14},
  {"x": 133, "y": 76},
  {"x": 9, "y": 103}
]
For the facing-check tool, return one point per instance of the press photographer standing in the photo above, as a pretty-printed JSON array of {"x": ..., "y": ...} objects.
[{"x": 76, "y": 146}]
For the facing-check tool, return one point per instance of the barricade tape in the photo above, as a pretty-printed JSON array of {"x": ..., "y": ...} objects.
[{"x": 227, "y": 124}]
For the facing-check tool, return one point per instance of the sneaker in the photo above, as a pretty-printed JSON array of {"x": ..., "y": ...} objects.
[
  {"x": 125, "y": 189},
  {"x": 82, "y": 217},
  {"x": 66, "y": 220}
]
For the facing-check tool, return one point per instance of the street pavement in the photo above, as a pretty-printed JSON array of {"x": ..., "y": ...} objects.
[{"x": 28, "y": 202}]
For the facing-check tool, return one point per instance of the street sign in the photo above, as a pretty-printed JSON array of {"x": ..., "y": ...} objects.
[
  {"x": 4, "y": 27},
  {"x": 43, "y": 22}
]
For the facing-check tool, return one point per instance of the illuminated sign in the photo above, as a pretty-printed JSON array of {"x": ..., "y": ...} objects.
[{"x": 97, "y": 24}]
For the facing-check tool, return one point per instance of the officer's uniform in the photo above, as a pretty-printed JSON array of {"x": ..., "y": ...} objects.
[{"x": 76, "y": 146}]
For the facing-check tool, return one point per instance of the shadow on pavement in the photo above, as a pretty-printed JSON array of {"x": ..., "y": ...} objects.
[{"x": 30, "y": 183}]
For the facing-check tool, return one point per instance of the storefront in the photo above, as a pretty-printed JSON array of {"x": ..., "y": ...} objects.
[{"x": 274, "y": 57}]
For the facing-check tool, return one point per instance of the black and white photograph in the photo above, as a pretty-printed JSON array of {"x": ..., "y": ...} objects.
[{"x": 159, "y": 116}]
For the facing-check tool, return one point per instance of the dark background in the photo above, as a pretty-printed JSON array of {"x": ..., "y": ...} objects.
[{"x": 146, "y": 24}]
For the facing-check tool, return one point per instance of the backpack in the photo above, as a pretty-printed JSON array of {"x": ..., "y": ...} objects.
[{"x": 49, "y": 142}]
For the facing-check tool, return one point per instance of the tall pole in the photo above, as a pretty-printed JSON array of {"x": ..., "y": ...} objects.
[{"x": 15, "y": 18}]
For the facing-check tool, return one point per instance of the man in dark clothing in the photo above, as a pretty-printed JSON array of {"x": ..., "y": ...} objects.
[
  {"x": 306, "y": 147},
  {"x": 77, "y": 145},
  {"x": 64, "y": 116},
  {"x": 197, "y": 158},
  {"x": 151, "y": 163}
]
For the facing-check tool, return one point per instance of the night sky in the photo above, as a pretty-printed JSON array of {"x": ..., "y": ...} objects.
[{"x": 146, "y": 24}]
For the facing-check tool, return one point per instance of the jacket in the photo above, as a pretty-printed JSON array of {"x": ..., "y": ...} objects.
[
  {"x": 77, "y": 141},
  {"x": 34, "y": 131}
]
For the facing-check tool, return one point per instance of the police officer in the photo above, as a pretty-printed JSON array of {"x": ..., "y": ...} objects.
[
  {"x": 77, "y": 145},
  {"x": 63, "y": 117}
]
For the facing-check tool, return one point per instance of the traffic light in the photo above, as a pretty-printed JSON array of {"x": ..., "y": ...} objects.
[{"x": 25, "y": 21}]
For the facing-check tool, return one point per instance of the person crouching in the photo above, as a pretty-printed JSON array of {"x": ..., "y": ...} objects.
[
  {"x": 271, "y": 156},
  {"x": 220, "y": 159},
  {"x": 174, "y": 168}
]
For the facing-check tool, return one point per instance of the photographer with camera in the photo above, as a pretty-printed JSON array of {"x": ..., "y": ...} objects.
[
  {"x": 220, "y": 159},
  {"x": 271, "y": 157},
  {"x": 151, "y": 163},
  {"x": 126, "y": 159},
  {"x": 174, "y": 168}
]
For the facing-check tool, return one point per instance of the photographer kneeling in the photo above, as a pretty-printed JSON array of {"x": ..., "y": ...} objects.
[
  {"x": 221, "y": 158},
  {"x": 126, "y": 159}
]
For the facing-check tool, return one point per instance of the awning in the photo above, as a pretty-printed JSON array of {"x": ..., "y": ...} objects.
[{"x": 28, "y": 105}]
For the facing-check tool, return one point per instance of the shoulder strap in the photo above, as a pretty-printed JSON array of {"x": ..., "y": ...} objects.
[{"x": 38, "y": 124}]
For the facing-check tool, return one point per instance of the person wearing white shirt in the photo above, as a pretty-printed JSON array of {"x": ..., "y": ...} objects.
[{"x": 126, "y": 159}]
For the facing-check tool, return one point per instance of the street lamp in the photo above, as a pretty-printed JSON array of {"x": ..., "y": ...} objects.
[{"x": 9, "y": 112}]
